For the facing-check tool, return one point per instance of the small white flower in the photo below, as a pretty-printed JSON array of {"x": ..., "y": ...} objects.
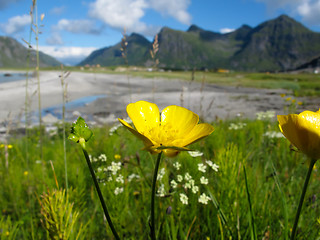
[
  {"x": 102, "y": 158},
  {"x": 202, "y": 167},
  {"x": 110, "y": 179},
  {"x": 115, "y": 167},
  {"x": 204, "y": 180},
  {"x": 187, "y": 185},
  {"x": 132, "y": 176},
  {"x": 210, "y": 163},
  {"x": 204, "y": 199},
  {"x": 215, "y": 167},
  {"x": 195, "y": 154},
  {"x": 161, "y": 173},
  {"x": 161, "y": 192},
  {"x": 177, "y": 165},
  {"x": 179, "y": 178},
  {"x": 173, "y": 184},
  {"x": 120, "y": 179},
  {"x": 273, "y": 134},
  {"x": 195, "y": 189},
  {"x": 187, "y": 176},
  {"x": 99, "y": 169},
  {"x": 118, "y": 190},
  {"x": 184, "y": 198}
]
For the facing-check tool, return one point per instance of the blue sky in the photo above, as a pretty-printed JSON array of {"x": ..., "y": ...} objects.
[{"x": 71, "y": 29}]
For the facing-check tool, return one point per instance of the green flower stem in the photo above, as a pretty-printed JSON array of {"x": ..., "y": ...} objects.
[
  {"x": 100, "y": 195},
  {"x": 155, "y": 173},
  {"x": 304, "y": 190}
]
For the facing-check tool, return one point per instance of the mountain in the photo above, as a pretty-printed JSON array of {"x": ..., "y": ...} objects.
[
  {"x": 13, "y": 54},
  {"x": 276, "y": 45},
  {"x": 137, "y": 53}
]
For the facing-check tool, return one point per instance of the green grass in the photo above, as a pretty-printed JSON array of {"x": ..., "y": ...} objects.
[{"x": 274, "y": 176}]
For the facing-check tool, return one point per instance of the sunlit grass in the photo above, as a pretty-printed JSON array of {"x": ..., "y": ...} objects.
[{"x": 127, "y": 187}]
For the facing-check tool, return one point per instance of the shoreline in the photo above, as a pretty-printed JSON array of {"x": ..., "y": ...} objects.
[{"x": 209, "y": 101}]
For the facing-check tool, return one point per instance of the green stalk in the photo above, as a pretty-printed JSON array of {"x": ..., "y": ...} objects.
[
  {"x": 304, "y": 190},
  {"x": 253, "y": 230},
  {"x": 100, "y": 195},
  {"x": 38, "y": 79},
  {"x": 155, "y": 173}
]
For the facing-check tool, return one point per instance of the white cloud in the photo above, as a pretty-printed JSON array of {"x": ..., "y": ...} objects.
[
  {"x": 309, "y": 10},
  {"x": 68, "y": 55},
  {"x": 77, "y": 26},
  {"x": 16, "y": 24},
  {"x": 120, "y": 14},
  {"x": 226, "y": 30},
  {"x": 176, "y": 9},
  {"x": 128, "y": 14}
]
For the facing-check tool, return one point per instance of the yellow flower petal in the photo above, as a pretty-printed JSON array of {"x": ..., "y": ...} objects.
[
  {"x": 181, "y": 120},
  {"x": 145, "y": 140},
  {"x": 303, "y": 131},
  {"x": 144, "y": 115},
  {"x": 197, "y": 133}
]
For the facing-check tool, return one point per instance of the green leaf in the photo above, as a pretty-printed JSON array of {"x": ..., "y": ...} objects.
[{"x": 80, "y": 132}]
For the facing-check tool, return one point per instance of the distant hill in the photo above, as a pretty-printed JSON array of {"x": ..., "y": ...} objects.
[
  {"x": 277, "y": 45},
  {"x": 137, "y": 53},
  {"x": 14, "y": 54}
]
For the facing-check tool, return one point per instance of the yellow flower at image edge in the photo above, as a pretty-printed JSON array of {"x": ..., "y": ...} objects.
[
  {"x": 303, "y": 131},
  {"x": 169, "y": 131}
]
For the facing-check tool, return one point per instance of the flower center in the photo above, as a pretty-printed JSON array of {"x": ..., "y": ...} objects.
[{"x": 162, "y": 135}]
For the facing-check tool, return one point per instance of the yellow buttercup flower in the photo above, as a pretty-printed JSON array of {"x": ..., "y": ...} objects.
[
  {"x": 169, "y": 131},
  {"x": 303, "y": 131}
]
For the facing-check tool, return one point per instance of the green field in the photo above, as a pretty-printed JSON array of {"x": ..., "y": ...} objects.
[{"x": 32, "y": 197}]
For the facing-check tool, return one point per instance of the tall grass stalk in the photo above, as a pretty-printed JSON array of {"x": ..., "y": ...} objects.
[
  {"x": 153, "y": 193},
  {"x": 124, "y": 54},
  {"x": 37, "y": 32},
  {"x": 252, "y": 222},
  {"x": 64, "y": 86},
  {"x": 303, "y": 193}
]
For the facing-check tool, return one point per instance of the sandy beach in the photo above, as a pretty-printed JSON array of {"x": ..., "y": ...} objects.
[{"x": 102, "y": 98}]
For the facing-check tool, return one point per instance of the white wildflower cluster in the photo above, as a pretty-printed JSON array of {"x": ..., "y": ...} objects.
[
  {"x": 161, "y": 191},
  {"x": 177, "y": 165},
  {"x": 190, "y": 183},
  {"x": 202, "y": 167},
  {"x": 118, "y": 190},
  {"x": 204, "y": 180},
  {"x": 273, "y": 134},
  {"x": 173, "y": 184},
  {"x": 113, "y": 129},
  {"x": 204, "y": 199},
  {"x": 268, "y": 115},
  {"x": 184, "y": 198},
  {"x": 101, "y": 158},
  {"x": 132, "y": 176},
  {"x": 195, "y": 154},
  {"x": 237, "y": 126},
  {"x": 114, "y": 168},
  {"x": 161, "y": 174},
  {"x": 120, "y": 179},
  {"x": 214, "y": 166}
]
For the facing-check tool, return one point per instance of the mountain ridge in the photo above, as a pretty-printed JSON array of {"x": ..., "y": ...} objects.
[
  {"x": 14, "y": 54},
  {"x": 278, "y": 44}
]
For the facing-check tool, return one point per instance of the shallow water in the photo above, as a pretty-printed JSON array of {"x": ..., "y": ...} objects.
[
  {"x": 70, "y": 106},
  {"x": 11, "y": 77}
]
